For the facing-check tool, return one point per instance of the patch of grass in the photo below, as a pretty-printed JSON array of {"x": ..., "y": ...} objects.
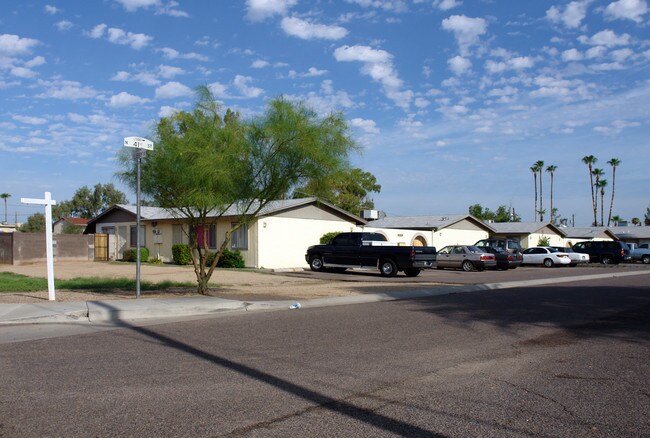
[{"x": 10, "y": 282}]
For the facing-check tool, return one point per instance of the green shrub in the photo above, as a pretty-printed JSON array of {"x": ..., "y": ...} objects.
[
  {"x": 326, "y": 238},
  {"x": 130, "y": 255},
  {"x": 229, "y": 259},
  {"x": 181, "y": 254},
  {"x": 544, "y": 241}
]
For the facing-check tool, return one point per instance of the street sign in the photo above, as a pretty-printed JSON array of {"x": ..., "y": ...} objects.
[{"x": 138, "y": 143}]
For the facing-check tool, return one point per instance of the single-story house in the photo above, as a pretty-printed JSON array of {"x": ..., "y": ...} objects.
[
  {"x": 438, "y": 231},
  {"x": 277, "y": 238},
  {"x": 581, "y": 234},
  {"x": 59, "y": 225},
  {"x": 9, "y": 228},
  {"x": 529, "y": 233},
  {"x": 638, "y": 235}
]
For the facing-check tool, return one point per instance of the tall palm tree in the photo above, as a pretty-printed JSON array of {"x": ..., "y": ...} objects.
[
  {"x": 540, "y": 168},
  {"x": 5, "y": 196},
  {"x": 598, "y": 173},
  {"x": 614, "y": 162},
  {"x": 534, "y": 169},
  {"x": 590, "y": 160},
  {"x": 551, "y": 169},
  {"x": 616, "y": 219},
  {"x": 602, "y": 184}
]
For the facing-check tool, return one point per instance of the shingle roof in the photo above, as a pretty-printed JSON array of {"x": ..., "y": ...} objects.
[
  {"x": 523, "y": 227},
  {"x": 632, "y": 232},
  {"x": 424, "y": 222},
  {"x": 587, "y": 232}
]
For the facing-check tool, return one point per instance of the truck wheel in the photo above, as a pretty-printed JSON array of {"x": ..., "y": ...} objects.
[
  {"x": 388, "y": 268},
  {"x": 467, "y": 266},
  {"x": 606, "y": 260},
  {"x": 548, "y": 263},
  {"x": 645, "y": 259},
  {"x": 412, "y": 272},
  {"x": 316, "y": 263}
]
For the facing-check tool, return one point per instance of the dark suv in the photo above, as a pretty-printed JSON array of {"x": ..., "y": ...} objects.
[
  {"x": 510, "y": 245},
  {"x": 604, "y": 251}
]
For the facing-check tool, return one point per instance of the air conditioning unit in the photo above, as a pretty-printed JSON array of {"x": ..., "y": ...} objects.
[{"x": 370, "y": 214}]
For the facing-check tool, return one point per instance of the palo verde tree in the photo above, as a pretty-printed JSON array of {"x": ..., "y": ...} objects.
[
  {"x": 89, "y": 202},
  {"x": 207, "y": 164}
]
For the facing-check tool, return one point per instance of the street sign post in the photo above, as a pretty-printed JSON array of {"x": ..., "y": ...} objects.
[
  {"x": 142, "y": 145},
  {"x": 48, "y": 202}
]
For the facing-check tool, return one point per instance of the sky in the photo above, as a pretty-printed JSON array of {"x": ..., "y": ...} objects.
[{"x": 451, "y": 101}]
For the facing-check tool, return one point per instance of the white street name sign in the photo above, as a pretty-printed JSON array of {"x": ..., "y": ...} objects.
[{"x": 138, "y": 143}]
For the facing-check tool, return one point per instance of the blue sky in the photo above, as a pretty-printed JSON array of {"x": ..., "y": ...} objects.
[{"x": 452, "y": 101}]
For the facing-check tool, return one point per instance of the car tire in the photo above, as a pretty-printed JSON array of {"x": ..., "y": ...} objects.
[
  {"x": 645, "y": 259},
  {"x": 316, "y": 263},
  {"x": 414, "y": 272},
  {"x": 388, "y": 268},
  {"x": 606, "y": 260},
  {"x": 467, "y": 266},
  {"x": 548, "y": 263}
]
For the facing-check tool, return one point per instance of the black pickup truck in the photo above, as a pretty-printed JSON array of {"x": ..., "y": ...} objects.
[{"x": 370, "y": 250}]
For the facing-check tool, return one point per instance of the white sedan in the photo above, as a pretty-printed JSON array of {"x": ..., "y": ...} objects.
[
  {"x": 577, "y": 258},
  {"x": 547, "y": 256}
]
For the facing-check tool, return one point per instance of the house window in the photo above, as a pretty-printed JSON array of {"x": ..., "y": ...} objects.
[
  {"x": 133, "y": 239},
  {"x": 177, "y": 234},
  {"x": 211, "y": 235},
  {"x": 239, "y": 237}
]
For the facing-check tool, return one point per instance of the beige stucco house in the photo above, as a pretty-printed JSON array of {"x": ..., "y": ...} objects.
[
  {"x": 59, "y": 226},
  {"x": 581, "y": 234},
  {"x": 277, "y": 238},
  {"x": 529, "y": 233},
  {"x": 638, "y": 235},
  {"x": 438, "y": 231}
]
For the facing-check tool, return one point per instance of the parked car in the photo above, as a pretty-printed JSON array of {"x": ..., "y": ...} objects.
[
  {"x": 639, "y": 253},
  {"x": 604, "y": 251},
  {"x": 577, "y": 258},
  {"x": 545, "y": 255},
  {"x": 370, "y": 250},
  {"x": 510, "y": 244},
  {"x": 465, "y": 257},
  {"x": 505, "y": 260}
]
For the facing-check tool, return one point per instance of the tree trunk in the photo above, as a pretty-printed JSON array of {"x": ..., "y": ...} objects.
[
  {"x": 593, "y": 197},
  {"x": 611, "y": 202},
  {"x": 535, "y": 210},
  {"x": 541, "y": 196},
  {"x": 552, "y": 198}
]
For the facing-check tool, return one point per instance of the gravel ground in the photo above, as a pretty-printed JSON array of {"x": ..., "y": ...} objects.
[{"x": 246, "y": 284}]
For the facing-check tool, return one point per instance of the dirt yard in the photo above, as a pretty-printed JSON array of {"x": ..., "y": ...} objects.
[{"x": 226, "y": 283}]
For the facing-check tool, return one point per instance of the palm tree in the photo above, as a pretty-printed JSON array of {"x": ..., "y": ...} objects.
[
  {"x": 551, "y": 169},
  {"x": 5, "y": 196},
  {"x": 590, "y": 160},
  {"x": 540, "y": 168},
  {"x": 602, "y": 184},
  {"x": 597, "y": 174},
  {"x": 534, "y": 170},
  {"x": 616, "y": 219},
  {"x": 614, "y": 162}
]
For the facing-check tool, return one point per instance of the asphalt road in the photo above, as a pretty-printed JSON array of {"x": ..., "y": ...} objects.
[{"x": 566, "y": 360}]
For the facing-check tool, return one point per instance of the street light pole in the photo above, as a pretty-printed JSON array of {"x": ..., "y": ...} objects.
[{"x": 142, "y": 145}]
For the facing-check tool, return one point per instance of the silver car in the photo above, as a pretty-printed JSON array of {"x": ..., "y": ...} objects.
[{"x": 465, "y": 257}]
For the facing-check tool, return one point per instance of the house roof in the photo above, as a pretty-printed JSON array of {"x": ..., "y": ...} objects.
[
  {"x": 588, "y": 232},
  {"x": 74, "y": 220},
  {"x": 427, "y": 222},
  {"x": 624, "y": 233},
  {"x": 273, "y": 207},
  {"x": 524, "y": 227}
]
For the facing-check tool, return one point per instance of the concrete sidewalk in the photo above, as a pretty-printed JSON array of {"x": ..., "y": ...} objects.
[{"x": 115, "y": 311}]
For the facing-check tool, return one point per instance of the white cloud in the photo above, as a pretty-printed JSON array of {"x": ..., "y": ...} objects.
[
  {"x": 306, "y": 30},
  {"x": 52, "y": 9},
  {"x": 161, "y": 8},
  {"x": 445, "y": 5},
  {"x": 607, "y": 38},
  {"x": 459, "y": 65},
  {"x": 596, "y": 52},
  {"x": 22, "y": 72},
  {"x": 168, "y": 71},
  {"x": 521, "y": 62},
  {"x": 572, "y": 55},
  {"x": 627, "y": 9},
  {"x": 387, "y": 5},
  {"x": 134, "y": 5},
  {"x": 65, "y": 90},
  {"x": 515, "y": 63},
  {"x": 167, "y": 111},
  {"x": 312, "y": 72},
  {"x": 15, "y": 45},
  {"x": 125, "y": 99},
  {"x": 621, "y": 55},
  {"x": 241, "y": 83},
  {"x": 259, "y": 10},
  {"x": 170, "y": 53},
  {"x": 218, "y": 89},
  {"x": 29, "y": 120},
  {"x": 260, "y": 63},
  {"x": 367, "y": 126},
  {"x": 135, "y": 40},
  {"x": 616, "y": 127},
  {"x": 35, "y": 62},
  {"x": 173, "y": 89},
  {"x": 467, "y": 30},
  {"x": 571, "y": 16},
  {"x": 495, "y": 67},
  {"x": 63, "y": 25},
  {"x": 97, "y": 31},
  {"x": 121, "y": 76},
  {"x": 378, "y": 65}
]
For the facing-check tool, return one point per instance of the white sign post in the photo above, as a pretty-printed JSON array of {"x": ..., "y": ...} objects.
[
  {"x": 142, "y": 145},
  {"x": 48, "y": 202}
]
